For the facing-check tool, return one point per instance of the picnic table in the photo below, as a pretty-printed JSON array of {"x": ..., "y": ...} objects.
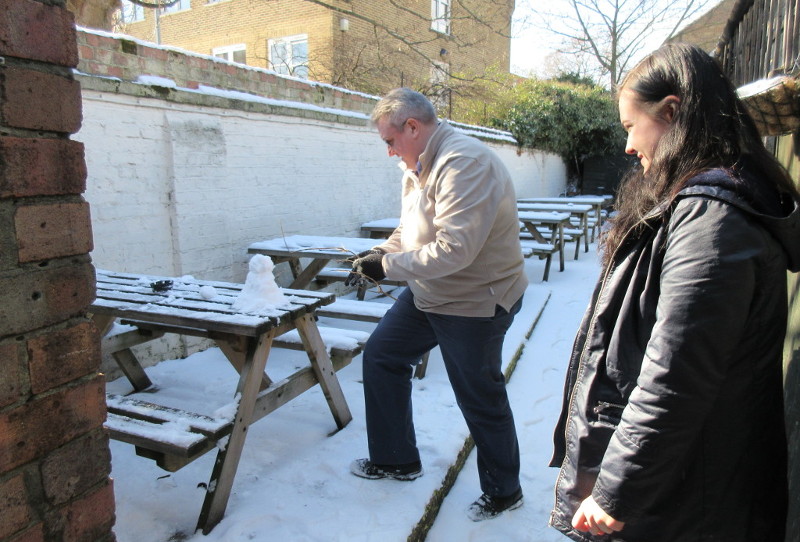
[
  {"x": 381, "y": 228},
  {"x": 154, "y": 305},
  {"x": 580, "y": 211},
  {"x": 555, "y": 222},
  {"x": 320, "y": 249},
  {"x": 597, "y": 202}
]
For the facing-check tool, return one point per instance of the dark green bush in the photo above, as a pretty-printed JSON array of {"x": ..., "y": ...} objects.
[{"x": 575, "y": 121}]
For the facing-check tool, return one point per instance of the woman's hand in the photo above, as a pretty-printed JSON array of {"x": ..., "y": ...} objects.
[{"x": 591, "y": 518}]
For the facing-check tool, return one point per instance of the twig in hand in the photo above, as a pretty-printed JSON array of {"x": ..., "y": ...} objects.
[{"x": 364, "y": 279}]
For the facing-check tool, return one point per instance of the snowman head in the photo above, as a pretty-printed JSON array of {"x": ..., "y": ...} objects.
[{"x": 261, "y": 264}]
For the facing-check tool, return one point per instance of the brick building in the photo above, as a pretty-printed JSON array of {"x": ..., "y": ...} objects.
[{"x": 435, "y": 46}]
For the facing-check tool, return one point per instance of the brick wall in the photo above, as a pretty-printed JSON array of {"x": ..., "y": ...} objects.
[
  {"x": 116, "y": 56},
  {"x": 54, "y": 458},
  {"x": 382, "y": 61}
]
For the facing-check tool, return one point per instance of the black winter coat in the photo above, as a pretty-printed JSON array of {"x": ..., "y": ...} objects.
[{"x": 673, "y": 406}]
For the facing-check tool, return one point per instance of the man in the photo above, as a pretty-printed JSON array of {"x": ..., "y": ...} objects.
[{"x": 458, "y": 249}]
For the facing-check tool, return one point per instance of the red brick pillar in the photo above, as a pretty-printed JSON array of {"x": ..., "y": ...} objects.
[{"x": 54, "y": 457}]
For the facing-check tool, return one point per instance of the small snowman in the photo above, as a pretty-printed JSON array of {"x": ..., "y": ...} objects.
[{"x": 260, "y": 292}]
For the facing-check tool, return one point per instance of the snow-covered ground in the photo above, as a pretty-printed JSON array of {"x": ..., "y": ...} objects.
[{"x": 293, "y": 482}]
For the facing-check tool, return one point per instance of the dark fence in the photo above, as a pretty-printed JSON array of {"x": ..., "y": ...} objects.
[{"x": 761, "y": 39}]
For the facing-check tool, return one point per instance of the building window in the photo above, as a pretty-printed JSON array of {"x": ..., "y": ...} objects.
[
  {"x": 440, "y": 16},
  {"x": 180, "y": 5},
  {"x": 289, "y": 55},
  {"x": 130, "y": 13},
  {"x": 234, "y": 53}
]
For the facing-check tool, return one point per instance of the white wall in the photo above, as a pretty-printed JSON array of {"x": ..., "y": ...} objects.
[
  {"x": 535, "y": 174},
  {"x": 177, "y": 188}
]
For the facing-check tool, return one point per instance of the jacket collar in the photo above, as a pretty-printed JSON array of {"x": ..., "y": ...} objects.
[{"x": 428, "y": 156}]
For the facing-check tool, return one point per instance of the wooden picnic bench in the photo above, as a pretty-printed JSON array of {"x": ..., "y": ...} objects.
[
  {"x": 540, "y": 246},
  {"x": 153, "y": 305},
  {"x": 381, "y": 228},
  {"x": 578, "y": 211},
  {"x": 367, "y": 311},
  {"x": 599, "y": 204},
  {"x": 324, "y": 252}
]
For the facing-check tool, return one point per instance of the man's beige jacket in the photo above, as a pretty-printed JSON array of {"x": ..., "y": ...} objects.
[{"x": 457, "y": 245}]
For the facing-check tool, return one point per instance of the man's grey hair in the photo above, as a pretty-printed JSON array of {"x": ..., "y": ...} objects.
[{"x": 402, "y": 104}]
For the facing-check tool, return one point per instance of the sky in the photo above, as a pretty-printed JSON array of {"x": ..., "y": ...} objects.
[
  {"x": 293, "y": 482},
  {"x": 530, "y": 44}
]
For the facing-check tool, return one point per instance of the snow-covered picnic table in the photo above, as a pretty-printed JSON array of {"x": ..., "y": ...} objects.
[
  {"x": 154, "y": 305},
  {"x": 595, "y": 217},
  {"x": 579, "y": 213},
  {"x": 381, "y": 228},
  {"x": 320, "y": 249},
  {"x": 540, "y": 245}
]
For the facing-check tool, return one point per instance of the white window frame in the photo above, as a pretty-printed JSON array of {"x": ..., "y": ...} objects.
[
  {"x": 180, "y": 5},
  {"x": 296, "y": 67},
  {"x": 227, "y": 52},
  {"x": 441, "y": 13},
  {"x": 130, "y": 12}
]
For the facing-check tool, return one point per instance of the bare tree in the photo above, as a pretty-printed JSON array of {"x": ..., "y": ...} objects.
[
  {"x": 486, "y": 16},
  {"x": 615, "y": 33}
]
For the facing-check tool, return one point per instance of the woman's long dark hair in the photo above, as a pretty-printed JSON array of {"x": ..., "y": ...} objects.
[{"x": 711, "y": 129}]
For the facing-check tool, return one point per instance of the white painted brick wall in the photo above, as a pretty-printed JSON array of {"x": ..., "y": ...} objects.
[{"x": 180, "y": 189}]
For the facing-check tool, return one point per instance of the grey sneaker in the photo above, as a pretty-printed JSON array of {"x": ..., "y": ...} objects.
[
  {"x": 488, "y": 507},
  {"x": 364, "y": 468}
]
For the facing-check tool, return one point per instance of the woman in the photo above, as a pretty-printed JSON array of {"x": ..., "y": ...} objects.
[{"x": 672, "y": 427}]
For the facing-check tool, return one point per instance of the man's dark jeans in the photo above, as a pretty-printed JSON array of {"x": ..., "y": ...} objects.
[{"x": 471, "y": 348}]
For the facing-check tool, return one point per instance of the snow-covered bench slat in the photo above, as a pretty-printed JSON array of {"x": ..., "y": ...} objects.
[
  {"x": 170, "y": 436},
  {"x": 342, "y": 344}
]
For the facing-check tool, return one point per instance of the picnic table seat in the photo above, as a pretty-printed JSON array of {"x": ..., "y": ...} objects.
[
  {"x": 570, "y": 234},
  {"x": 544, "y": 251},
  {"x": 343, "y": 344},
  {"x": 175, "y": 437},
  {"x": 366, "y": 311},
  {"x": 170, "y": 436}
]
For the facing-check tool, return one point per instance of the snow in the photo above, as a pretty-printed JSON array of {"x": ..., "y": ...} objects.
[
  {"x": 317, "y": 244},
  {"x": 293, "y": 481},
  {"x": 391, "y": 222},
  {"x": 760, "y": 86},
  {"x": 260, "y": 292}
]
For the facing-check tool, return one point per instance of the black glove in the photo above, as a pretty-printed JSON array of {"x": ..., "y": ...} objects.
[
  {"x": 363, "y": 254},
  {"x": 370, "y": 266}
]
